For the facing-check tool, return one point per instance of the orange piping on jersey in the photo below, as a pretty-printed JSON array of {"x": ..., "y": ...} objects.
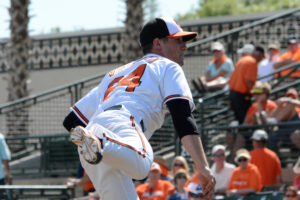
[
  {"x": 133, "y": 124},
  {"x": 80, "y": 114},
  {"x": 177, "y": 95},
  {"x": 125, "y": 145}
]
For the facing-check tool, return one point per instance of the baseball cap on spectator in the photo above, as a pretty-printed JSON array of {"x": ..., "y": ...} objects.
[
  {"x": 274, "y": 45},
  {"x": 217, "y": 148},
  {"x": 162, "y": 164},
  {"x": 242, "y": 153},
  {"x": 291, "y": 39},
  {"x": 162, "y": 28},
  {"x": 155, "y": 166},
  {"x": 259, "y": 135},
  {"x": 261, "y": 88},
  {"x": 247, "y": 49},
  {"x": 217, "y": 46}
]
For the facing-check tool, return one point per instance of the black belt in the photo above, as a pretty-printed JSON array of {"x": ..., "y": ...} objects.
[{"x": 118, "y": 107}]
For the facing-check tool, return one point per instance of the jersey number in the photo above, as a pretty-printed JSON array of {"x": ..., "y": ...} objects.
[{"x": 132, "y": 81}]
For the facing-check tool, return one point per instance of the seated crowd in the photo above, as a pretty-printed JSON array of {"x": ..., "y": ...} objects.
[
  {"x": 250, "y": 97},
  {"x": 252, "y": 172}
]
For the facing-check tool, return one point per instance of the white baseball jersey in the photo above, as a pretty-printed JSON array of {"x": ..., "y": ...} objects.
[{"x": 143, "y": 87}]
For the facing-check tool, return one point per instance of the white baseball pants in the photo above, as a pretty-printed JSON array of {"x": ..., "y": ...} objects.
[{"x": 126, "y": 154}]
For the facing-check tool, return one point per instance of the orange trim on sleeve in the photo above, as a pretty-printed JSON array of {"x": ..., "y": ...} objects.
[
  {"x": 80, "y": 114},
  {"x": 177, "y": 95}
]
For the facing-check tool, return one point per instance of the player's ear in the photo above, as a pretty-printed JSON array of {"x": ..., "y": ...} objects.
[{"x": 157, "y": 44}]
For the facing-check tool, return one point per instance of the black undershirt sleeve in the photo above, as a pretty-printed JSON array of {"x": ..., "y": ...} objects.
[
  {"x": 182, "y": 117},
  {"x": 71, "y": 121}
]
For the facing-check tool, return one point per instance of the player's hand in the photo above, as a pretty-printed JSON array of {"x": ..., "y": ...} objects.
[{"x": 208, "y": 182}]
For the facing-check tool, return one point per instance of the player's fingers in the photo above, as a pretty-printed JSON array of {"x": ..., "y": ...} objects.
[{"x": 210, "y": 185}]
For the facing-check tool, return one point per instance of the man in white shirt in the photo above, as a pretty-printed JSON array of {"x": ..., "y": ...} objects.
[
  {"x": 221, "y": 170},
  {"x": 265, "y": 67}
]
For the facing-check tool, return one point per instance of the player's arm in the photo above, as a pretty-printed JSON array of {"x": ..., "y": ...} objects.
[
  {"x": 71, "y": 121},
  {"x": 186, "y": 129}
]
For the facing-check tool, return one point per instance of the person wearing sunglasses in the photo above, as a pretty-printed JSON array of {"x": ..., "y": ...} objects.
[
  {"x": 180, "y": 179},
  {"x": 221, "y": 169},
  {"x": 291, "y": 193},
  {"x": 292, "y": 56},
  {"x": 179, "y": 162},
  {"x": 154, "y": 188},
  {"x": 246, "y": 178}
]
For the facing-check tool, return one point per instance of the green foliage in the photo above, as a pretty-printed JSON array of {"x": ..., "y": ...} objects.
[{"x": 208, "y": 8}]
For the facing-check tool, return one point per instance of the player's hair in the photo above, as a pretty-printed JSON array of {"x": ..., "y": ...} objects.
[{"x": 148, "y": 47}]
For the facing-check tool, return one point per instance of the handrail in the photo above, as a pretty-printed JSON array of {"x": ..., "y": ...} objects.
[
  {"x": 256, "y": 23},
  {"x": 51, "y": 91}
]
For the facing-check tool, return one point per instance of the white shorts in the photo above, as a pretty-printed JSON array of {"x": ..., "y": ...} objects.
[{"x": 127, "y": 155}]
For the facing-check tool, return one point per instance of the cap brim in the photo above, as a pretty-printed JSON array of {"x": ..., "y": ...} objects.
[
  {"x": 257, "y": 91},
  {"x": 186, "y": 36},
  {"x": 292, "y": 41}
]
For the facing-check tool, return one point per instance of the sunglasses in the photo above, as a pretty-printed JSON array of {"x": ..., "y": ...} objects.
[
  {"x": 218, "y": 155},
  {"x": 178, "y": 165},
  {"x": 242, "y": 160},
  {"x": 181, "y": 177}
]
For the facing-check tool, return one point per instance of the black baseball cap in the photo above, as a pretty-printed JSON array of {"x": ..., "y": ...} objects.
[{"x": 161, "y": 28}]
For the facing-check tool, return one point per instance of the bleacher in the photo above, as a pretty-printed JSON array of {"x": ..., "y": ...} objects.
[{"x": 49, "y": 143}]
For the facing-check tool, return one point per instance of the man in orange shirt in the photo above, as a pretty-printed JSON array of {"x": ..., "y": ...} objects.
[
  {"x": 263, "y": 107},
  {"x": 293, "y": 55},
  {"x": 266, "y": 160},
  {"x": 245, "y": 178},
  {"x": 242, "y": 81},
  {"x": 155, "y": 188}
]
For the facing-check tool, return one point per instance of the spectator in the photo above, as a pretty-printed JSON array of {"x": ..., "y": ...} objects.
[
  {"x": 5, "y": 177},
  {"x": 179, "y": 162},
  {"x": 265, "y": 160},
  {"x": 221, "y": 170},
  {"x": 164, "y": 168},
  {"x": 246, "y": 50},
  {"x": 262, "y": 107},
  {"x": 293, "y": 55},
  {"x": 218, "y": 70},
  {"x": 266, "y": 67},
  {"x": 288, "y": 109},
  {"x": 180, "y": 179},
  {"x": 242, "y": 81},
  {"x": 291, "y": 193},
  {"x": 246, "y": 178},
  {"x": 154, "y": 188}
]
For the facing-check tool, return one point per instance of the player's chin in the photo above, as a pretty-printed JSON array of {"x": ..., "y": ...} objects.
[{"x": 181, "y": 62}]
